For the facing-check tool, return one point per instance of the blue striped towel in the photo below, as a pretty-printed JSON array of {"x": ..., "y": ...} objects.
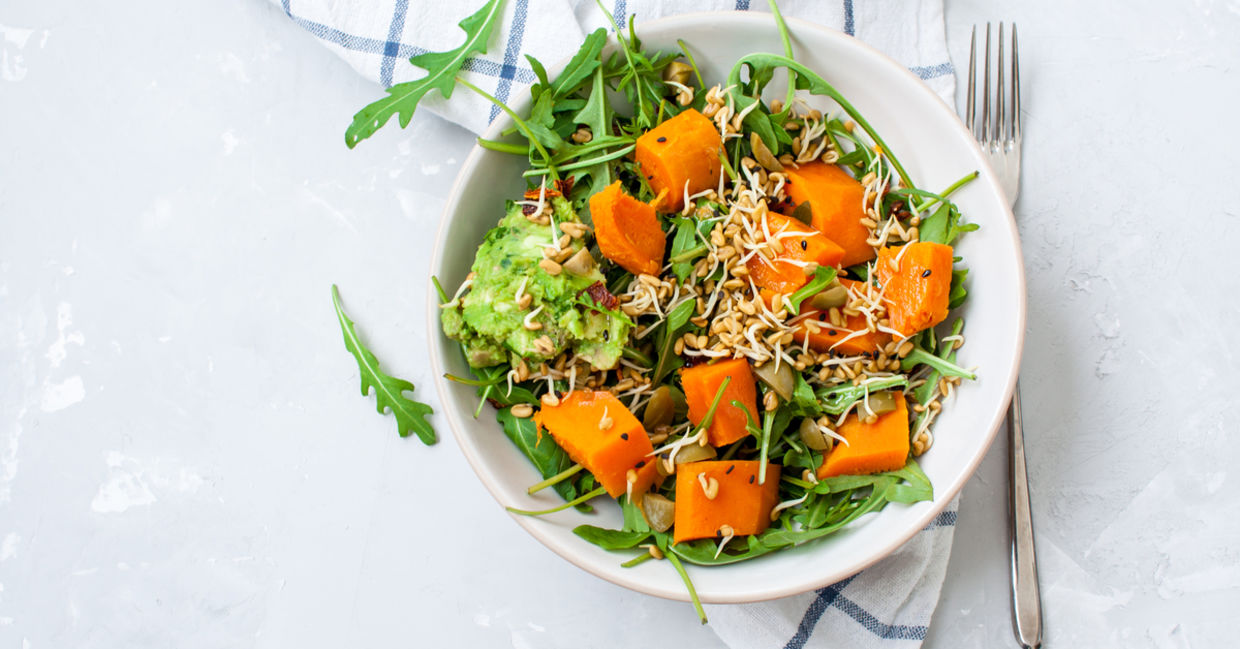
[{"x": 889, "y": 604}]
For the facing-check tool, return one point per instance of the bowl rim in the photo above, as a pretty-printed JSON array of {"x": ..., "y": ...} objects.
[{"x": 828, "y": 576}]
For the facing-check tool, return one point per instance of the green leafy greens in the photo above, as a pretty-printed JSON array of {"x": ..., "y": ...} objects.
[
  {"x": 389, "y": 390},
  {"x": 441, "y": 70}
]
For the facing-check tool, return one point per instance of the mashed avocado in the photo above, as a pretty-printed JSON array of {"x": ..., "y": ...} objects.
[{"x": 489, "y": 323}]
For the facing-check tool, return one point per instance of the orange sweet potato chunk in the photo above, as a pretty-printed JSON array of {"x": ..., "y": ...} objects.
[
  {"x": 627, "y": 231},
  {"x": 872, "y": 448},
  {"x": 782, "y": 274},
  {"x": 740, "y": 502},
  {"x": 609, "y": 453},
  {"x": 683, "y": 149},
  {"x": 823, "y": 337},
  {"x": 835, "y": 203},
  {"x": 701, "y": 383},
  {"x": 918, "y": 291}
]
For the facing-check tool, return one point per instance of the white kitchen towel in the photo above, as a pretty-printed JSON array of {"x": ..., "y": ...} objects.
[
  {"x": 888, "y": 605},
  {"x": 377, "y": 37}
]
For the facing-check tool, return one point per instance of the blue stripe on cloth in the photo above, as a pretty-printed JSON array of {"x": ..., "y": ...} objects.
[
  {"x": 377, "y": 46},
  {"x": 944, "y": 519},
  {"x": 849, "y": 26},
  {"x": 509, "y": 71},
  {"x": 826, "y": 597},
  {"x": 392, "y": 47},
  {"x": 933, "y": 71},
  {"x": 620, "y": 12},
  {"x": 742, "y": 5},
  {"x": 871, "y": 623}
]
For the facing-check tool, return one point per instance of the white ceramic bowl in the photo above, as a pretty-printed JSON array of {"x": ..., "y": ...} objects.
[{"x": 936, "y": 150}]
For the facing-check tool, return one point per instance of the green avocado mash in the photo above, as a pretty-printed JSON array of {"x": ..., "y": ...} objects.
[{"x": 490, "y": 325}]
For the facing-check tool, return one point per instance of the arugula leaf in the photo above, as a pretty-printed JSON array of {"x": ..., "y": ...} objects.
[
  {"x": 441, "y": 70},
  {"x": 822, "y": 279},
  {"x": 546, "y": 455},
  {"x": 807, "y": 79},
  {"x": 944, "y": 226},
  {"x": 583, "y": 63},
  {"x": 686, "y": 244},
  {"x": 611, "y": 539},
  {"x": 673, "y": 327},
  {"x": 838, "y": 399},
  {"x": 958, "y": 293},
  {"x": 389, "y": 390}
]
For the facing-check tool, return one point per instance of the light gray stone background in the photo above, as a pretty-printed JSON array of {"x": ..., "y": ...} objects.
[{"x": 185, "y": 460}]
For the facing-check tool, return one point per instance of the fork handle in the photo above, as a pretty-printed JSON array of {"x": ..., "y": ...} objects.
[{"x": 1026, "y": 597}]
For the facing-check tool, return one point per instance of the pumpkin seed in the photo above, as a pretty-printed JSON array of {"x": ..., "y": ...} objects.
[
  {"x": 763, "y": 154},
  {"x": 804, "y": 213},
  {"x": 659, "y": 512},
  {"x": 880, "y": 403},
  {"x": 660, "y": 409},
  {"x": 813, "y": 436},
  {"x": 783, "y": 380},
  {"x": 694, "y": 453},
  {"x": 831, "y": 297}
]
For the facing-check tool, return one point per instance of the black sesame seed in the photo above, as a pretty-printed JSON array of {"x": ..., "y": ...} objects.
[
  {"x": 804, "y": 244},
  {"x": 641, "y": 464},
  {"x": 832, "y": 332},
  {"x": 751, "y": 479},
  {"x": 718, "y": 534},
  {"x": 925, "y": 273},
  {"x": 729, "y": 469},
  {"x": 624, "y": 436},
  {"x": 662, "y": 139}
]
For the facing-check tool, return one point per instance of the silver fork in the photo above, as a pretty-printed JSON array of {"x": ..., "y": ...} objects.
[{"x": 999, "y": 134}]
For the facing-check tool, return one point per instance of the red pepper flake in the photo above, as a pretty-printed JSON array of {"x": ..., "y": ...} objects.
[
  {"x": 565, "y": 185},
  {"x": 601, "y": 296},
  {"x": 532, "y": 194}
]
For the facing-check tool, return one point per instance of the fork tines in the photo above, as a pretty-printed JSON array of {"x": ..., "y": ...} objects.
[{"x": 1001, "y": 124}]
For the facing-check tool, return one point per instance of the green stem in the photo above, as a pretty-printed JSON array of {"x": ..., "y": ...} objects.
[
  {"x": 919, "y": 356},
  {"x": 693, "y": 64},
  {"x": 443, "y": 295},
  {"x": 687, "y": 255},
  {"x": 819, "y": 86},
  {"x": 768, "y": 420},
  {"x": 555, "y": 479},
  {"x": 486, "y": 392},
  {"x": 727, "y": 165},
  {"x": 787, "y": 41},
  {"x": 626, "y": 47},
  {"x": 618, "y": 153},
  {"x": 637, "y": 560},
  {"x": 947, "y": 192},
  {"x": 710, "y": 414},
  {"x": 572, "y": 503},
  {"x": 637, "y": 357},
  {"x": 684, "y": 576},
  {"x": 525, "y": 128},
  {"x": 503, "y": 147},
  {"x": 479, "y": 383}
]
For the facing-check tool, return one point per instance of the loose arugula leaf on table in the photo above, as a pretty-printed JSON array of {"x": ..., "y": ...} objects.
[
  {"x": 389, "y": 390},
  {"x": 441, "y": 70},
  {"x": 547, "y": 456}
]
